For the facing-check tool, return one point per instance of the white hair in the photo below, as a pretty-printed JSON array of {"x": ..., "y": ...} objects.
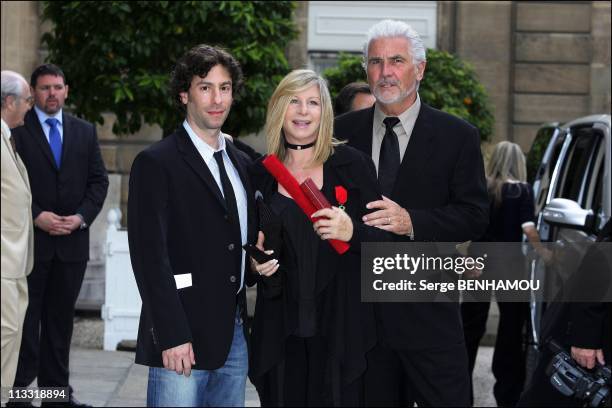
[
  {"x": 394, "y": 28},
  {"x": 12, "y": 84}
]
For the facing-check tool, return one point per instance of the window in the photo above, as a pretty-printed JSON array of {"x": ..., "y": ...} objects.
[
  {"x": 536, "y": 153},
  {"x": 578, "y": 167}
]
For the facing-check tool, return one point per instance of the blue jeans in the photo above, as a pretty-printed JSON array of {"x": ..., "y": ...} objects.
[{"x": 223, "y": 387}]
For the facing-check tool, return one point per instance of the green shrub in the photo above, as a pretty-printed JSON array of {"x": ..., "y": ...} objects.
[
  {"x": 450, "y": 84},
  {"x": 117, "y": 55}
]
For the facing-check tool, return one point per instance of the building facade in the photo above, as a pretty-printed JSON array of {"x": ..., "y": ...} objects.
[{"x": 540, "y": 61}]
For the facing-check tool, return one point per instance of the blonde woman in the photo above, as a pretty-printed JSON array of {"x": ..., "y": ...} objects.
[
  {"x": 511, "y": 215},
  {"x": 309, "y": 338}
]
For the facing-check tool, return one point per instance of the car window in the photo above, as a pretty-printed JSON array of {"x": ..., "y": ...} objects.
[
  {"x": 536, "y": 153},
  {"x": 596, "y": 203},
  {"x": 541, "y": 181},
  {"x": 580, "y": 159}
]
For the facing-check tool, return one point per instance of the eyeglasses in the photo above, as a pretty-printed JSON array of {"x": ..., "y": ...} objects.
[{"x": 29, "y": 100}]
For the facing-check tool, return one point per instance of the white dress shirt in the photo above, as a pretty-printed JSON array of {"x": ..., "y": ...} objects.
[
  {"x": 206, "y": 151},
  {"x": 42, "y": 117},
  {"x": 403, "y": 129}
]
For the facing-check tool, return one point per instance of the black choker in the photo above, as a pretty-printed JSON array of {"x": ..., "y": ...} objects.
[{"x": 298, "y": 147}]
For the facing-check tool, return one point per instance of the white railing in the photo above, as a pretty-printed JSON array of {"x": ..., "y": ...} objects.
[{"x": 121, "y": 310}]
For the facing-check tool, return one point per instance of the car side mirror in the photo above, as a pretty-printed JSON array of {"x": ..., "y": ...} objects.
[{"x": 567, "y": 213}]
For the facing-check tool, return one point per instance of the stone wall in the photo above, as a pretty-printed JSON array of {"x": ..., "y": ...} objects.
[
  {"x": 600, "y": 58},
  {"x": 483, "y": 38},
  {"x": 21, "y": 31},
  {"x": 551, "y": 65},
  {"x": 540, "y": 61}
]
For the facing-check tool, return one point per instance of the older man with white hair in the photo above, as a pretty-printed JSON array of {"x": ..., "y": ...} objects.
[
  {"x": 17, "y": 229},
  {"x": 431, "y": 174}
]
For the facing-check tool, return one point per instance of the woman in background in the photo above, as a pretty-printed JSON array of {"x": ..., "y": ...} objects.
[{"x": 511, "y": 216}]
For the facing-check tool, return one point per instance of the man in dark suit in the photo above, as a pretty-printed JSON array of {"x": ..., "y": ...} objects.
[
  {"x": 431, "y": 173},
  {"x": 190, "y": 211},
  {"x": 69, "y": 185}
]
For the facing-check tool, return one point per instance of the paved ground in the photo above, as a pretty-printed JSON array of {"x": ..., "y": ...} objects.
[{"x": 111, "y": 379}]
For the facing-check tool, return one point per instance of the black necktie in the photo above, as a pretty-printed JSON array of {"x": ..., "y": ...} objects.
[
  {"x": 389, "y": 159},
  {"x": 230, "y": 200}
]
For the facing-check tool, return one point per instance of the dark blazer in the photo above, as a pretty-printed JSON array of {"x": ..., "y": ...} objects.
[
  {"x": 78, "y": 187},
  {"x": 178, "y": 224},
  {"x": 441, "y": 183}
]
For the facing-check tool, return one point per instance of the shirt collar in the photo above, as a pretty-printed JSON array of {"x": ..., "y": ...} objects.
[
  {"x": 204, "y": 148},
  {"x": 42, "y": 116},
  {"x": 406, "y": 117},
  {"x": 5, "y": 128}
]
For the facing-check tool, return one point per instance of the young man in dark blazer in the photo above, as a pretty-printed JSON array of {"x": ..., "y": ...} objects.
[
  {"x": 190, "y": 210},
  {"x": 69, "y": 185},
  {"x": 431, "y": 173}
]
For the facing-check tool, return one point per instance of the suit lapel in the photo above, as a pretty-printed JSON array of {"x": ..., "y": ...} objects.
[
  {"x": 7, "y": 140},
  {"x": 239, "y": 164},
  {"x": 337, "y": 165},
  {"x": 21, "y": 169},
  {"x": 35, "y": 129},
  {"x": 362, "y": 137},
  {"x": 194, "y": 160},
  {"x": 246, "y": 182},
  {"x": 68, "y": 139},
  {"x": 419, "y": 148}
]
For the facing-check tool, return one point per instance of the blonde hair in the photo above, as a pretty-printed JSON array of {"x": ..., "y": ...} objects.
[
  {"x": 507, "y": 164},
  {"x": 295, "y": 82}
]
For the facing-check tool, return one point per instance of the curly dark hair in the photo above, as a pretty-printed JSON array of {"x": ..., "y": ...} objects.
[{"x": 198, "y": 61}]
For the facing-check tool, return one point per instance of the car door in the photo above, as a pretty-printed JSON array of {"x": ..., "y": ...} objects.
[
  {"x": 541, "y": 162},
  {"x": 579, "y": 172}
]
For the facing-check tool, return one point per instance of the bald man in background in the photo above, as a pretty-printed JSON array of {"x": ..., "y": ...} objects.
[{"x": 17, "y": 229}]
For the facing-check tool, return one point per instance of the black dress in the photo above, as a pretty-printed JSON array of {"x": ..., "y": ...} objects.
[
  {"x": 309, "y": 342},
  {"x": 508, "y": 366}
]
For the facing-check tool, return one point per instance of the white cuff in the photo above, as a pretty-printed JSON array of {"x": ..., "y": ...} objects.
[{"x": 527, "y": 224}]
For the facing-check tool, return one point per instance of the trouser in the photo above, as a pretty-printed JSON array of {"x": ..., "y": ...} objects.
[
  {"x": 431, "y": 377},
  {"x": 47, "y": 330},
  {"x": 508, "y": 364},
  {"x": 14, "y": 305},
  {"x": 223, "y": 387}
]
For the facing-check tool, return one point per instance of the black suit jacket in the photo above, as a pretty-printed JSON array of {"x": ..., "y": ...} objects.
[
  {"x": 178, "y": 224},
  {"x": 79, "y": 186},
  {"x": 441, "y": 183}
]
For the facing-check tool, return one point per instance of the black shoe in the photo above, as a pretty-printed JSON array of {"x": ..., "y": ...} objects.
[
  {"x": 76, "y": 403},
  {"x": 19, "y": 404}
]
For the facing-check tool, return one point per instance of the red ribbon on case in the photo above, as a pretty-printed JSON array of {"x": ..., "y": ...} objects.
[{"x": 278, "y": 170}]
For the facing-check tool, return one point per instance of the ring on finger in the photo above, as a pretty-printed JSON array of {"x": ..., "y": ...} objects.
[{"x": 388, "y": 220}]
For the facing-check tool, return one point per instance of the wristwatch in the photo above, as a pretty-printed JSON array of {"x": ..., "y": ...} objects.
[{"x": 83, "y": 223}]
